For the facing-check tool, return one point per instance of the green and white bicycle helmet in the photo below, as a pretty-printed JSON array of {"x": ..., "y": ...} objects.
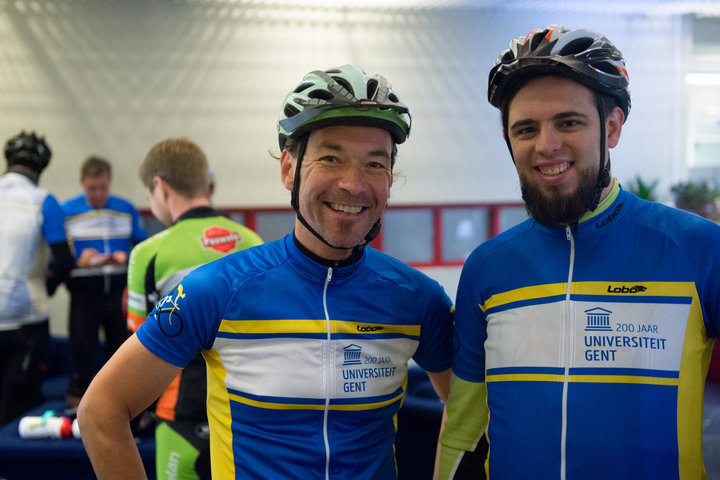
[
  {"x": 342, "y": 96},
  {"x": 583, "y": 55}
]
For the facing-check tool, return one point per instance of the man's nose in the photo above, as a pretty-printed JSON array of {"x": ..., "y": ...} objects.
[
  {"x": 548, "y": 140},
  {"x": 353, "y": 179}
]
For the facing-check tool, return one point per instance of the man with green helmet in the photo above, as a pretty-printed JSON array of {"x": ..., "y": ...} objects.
[{"x": 307, "y": 339}]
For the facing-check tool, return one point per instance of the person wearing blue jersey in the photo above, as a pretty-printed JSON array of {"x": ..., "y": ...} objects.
[
  {"x": 103, "y": 229},
  {"x": 31, "y": 230},
  {"x": 583, "y": 334},
  {"x": 307, "y": 339}
]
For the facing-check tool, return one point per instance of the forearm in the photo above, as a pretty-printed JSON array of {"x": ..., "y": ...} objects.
[
  {"x": 441, "y": 383},
  {"x": 109, "y": 443},
  {"x": 463, "y": 432},
  {"x": 438, "y": 449},
  {"x": 63, "y": 262},
  {"x": 128, "y": 383}
]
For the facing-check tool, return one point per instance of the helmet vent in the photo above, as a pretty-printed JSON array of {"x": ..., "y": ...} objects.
[
  {"x": 321, "y": 94},
  {"x": 537, "y": 38},
  {"x": 371, "y": 89},
  {"x": 303, "y": 86},
  {"x": 579, "y": 45},
  {"x": 393, "y": 98},
  {"x": 344, "y": 83},
  {"x": 605, "y": 67},
  {"x": 290, "y": 111}
]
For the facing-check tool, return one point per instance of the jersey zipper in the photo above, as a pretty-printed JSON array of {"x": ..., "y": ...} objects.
[
  {"x": 328, "y": 366},
  {"x": 567, "y": 336}
]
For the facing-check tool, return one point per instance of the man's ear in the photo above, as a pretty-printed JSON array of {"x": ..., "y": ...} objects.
[
  {"x": 159, "y": 183},
  {"x": 287, "y": 169},
  {"x": 613, "y": 126}
]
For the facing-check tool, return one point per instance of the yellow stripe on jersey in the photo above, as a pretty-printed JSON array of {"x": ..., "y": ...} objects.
[
  {"x": 222, "y": 461},
  {"x": 617, "y": 379},
  {"x": 313, "y": 406},
  {"x": 696, "y": 353},
  {"x": 548, "y": 377},
  {"x": 656, "y": 289},
  {"x": 273, "y": 326},
  {"x": 525, "y": 377},
  {"x": 651, "y": 289},
  {"x": 525, "y": 293},
  {"x": 313, "y": 326}
]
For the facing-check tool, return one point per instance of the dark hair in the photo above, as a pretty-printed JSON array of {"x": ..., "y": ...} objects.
[{"x": 94, "y": 167}]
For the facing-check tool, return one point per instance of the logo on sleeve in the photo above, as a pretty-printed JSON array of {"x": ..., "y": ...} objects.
[
  {"x": 220, "y": 239},
  {"x": 167, "y": 312}
]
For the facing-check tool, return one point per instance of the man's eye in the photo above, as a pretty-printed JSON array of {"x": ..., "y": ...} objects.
[{"x": 522, "y": 132}]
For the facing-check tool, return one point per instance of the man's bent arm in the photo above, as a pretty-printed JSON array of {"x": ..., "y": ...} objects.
[
  {"x": 463, "y": 433},
  {"x": 441, "y": 383},
  {"x": 128, "y": 383}
]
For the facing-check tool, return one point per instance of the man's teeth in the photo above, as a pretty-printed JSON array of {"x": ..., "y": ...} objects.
[
  {"x": 345, "y": 208},
  {"x": 553, "y": 171}
]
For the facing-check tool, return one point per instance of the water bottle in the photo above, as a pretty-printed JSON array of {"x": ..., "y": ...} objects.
[{"x": 48, "y": 427}]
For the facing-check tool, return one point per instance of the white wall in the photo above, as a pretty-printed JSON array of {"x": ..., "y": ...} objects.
[{"x": 114, "y": 77}]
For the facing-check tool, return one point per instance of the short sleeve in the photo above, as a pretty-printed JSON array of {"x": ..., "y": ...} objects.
[
  {"x": 434, "y": 353},
  {"x": 53, "y": 226},
  {"x": 186, "y": 319}
]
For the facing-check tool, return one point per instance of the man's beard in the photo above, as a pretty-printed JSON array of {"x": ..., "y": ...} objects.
[{"x": 551, "y": 208}]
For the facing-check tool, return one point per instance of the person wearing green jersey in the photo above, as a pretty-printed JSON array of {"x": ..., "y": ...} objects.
[{"x": 176, "y": 176}]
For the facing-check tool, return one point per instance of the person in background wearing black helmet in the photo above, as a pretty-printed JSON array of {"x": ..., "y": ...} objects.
[
  {"x": 30, "y": 221},
  {"x": 307, "y": 339},
  {"x": 584, "y": 333}
]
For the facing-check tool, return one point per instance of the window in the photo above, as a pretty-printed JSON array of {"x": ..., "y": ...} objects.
[
  {"x": 408, "y": 234},
  {"x": 427, "y": 235},
  {"x": 703, "y": 87},
  {"x": 463, "y": 230},
  {"x": 273, "y": 225}
]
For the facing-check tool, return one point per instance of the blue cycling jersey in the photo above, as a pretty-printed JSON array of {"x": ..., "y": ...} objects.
[
  {"x": 115, "y": 227},
  {"x": 307, "y": 365},
  {"x": 593, "y": 346}
]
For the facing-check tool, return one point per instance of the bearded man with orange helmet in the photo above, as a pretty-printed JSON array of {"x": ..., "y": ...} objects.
[{"x": 584, "y": 333}]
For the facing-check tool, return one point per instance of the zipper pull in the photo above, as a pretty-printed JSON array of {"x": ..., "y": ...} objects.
[
  {"x": 568, "y": 232},
  {"x": 329, "y": 274}
]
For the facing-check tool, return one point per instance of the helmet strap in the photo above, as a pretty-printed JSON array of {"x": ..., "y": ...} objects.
[
  {"x": 604, "y": 168},
  {"x": 295, "y": 203}
]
